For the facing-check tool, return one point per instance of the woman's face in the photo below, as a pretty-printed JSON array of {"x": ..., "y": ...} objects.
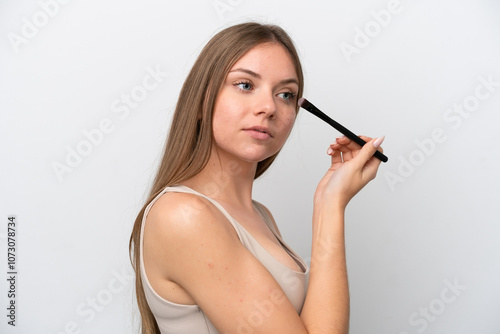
[{"x": 256, "y": 106}]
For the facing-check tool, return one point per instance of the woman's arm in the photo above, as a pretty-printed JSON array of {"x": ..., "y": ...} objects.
[
  {"x": 197, "y": 248},
  {"x": 326, "y": 309}
]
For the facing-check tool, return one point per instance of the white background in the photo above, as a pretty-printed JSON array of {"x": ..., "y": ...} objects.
[{"x": 429, "y": 220}]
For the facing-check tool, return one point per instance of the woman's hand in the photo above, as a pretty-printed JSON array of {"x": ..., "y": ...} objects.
[{"x": 352, "y": 168}]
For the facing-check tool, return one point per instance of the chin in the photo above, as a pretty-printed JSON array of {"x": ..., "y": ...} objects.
[
  {"x": 252, "y": 154},
  {"x": 259, "y": 157}
]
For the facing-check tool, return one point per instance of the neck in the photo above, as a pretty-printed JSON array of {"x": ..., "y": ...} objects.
[{"x": 226, "y": 180}]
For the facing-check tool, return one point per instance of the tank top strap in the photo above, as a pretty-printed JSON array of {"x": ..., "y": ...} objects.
[
  {"x": 184, "y": 189},
  {"x": 269, "y": 221},
  {"x": 265, "y": 215}
]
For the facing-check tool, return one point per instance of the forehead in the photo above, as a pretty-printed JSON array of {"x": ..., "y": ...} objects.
[{"x": 268, "y": 59}]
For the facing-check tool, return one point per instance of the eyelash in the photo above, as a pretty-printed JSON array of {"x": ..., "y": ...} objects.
[
  {"x": 292, "y": 95},
  {"x": 244, "y": 83}
]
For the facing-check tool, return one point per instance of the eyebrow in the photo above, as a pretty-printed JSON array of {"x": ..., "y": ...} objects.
[{"x": 258, "y": 76}]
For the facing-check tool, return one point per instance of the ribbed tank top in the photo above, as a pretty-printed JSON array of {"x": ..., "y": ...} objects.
[{"x": 173, "y": 318}]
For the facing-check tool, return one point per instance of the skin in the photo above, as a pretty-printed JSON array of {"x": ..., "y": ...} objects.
[{"x": 192, "y": 254}]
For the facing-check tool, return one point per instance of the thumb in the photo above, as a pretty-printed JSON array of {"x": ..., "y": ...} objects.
[{"x": 368, "y": 150}]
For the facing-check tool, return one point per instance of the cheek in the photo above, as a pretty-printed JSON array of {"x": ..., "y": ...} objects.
[
  {"x": 218, "y": 128},
  {"x": 288, "y": 121},
  {"x": 226, "y": 110},
  {"x": 224, "y": 123}
]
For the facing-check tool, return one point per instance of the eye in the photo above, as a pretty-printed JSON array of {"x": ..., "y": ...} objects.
[
  {"x": 288, "y": 96},
  {"x": 244, "y": 85}
]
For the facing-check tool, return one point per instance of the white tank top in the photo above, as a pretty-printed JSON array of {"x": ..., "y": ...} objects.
[{"x": 173, "y": 318}]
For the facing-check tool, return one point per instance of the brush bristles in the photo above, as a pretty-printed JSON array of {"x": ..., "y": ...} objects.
[{"x": 303, "y": 103}]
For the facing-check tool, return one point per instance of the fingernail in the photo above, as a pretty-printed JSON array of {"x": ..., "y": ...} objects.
[
  {"x": 334, "y": 142},
  {"x": 378, "y": 142},
  {"x": 330, "y": 151}
]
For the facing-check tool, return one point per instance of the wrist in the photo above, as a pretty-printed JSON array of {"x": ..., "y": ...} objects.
[
  {"x": 328, "y": 218},
  {"x": 331, "y": 206}
]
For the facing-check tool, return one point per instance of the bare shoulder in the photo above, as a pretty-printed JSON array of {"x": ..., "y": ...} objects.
[
  {"x": 270, "y": 215},
  {"x": 177, "y": 227},
  {"x": 175, "y": 215},
  {"x": 177, "y": 206}
]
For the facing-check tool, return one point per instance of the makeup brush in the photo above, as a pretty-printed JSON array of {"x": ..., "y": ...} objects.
[{"x": 318, "y": 113}]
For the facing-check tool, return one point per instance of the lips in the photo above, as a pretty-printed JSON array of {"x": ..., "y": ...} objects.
[
  {"x": 260, "y": 129},
  {"x": 259, "y": 132}
]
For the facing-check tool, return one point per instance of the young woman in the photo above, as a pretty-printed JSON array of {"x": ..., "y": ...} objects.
[{"x": 208, "y": 258}]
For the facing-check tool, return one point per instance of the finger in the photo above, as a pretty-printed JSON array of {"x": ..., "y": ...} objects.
[
  {"x": 347, "y": 143},
  {"x": 366, "y": 153},
  {"x": 336, "y": 157},
  {"x": 351, "y": 144},
  {"x": 347, "y": 155},
  {"x": 343, "y": 140},
  {"x": 367, "y": 139},
  {"x": 348, "y": 148},
  {"x": 335, "y": 145},
  {"x": 335, "y": 154}
]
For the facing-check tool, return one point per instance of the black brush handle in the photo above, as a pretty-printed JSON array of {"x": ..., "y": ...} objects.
[{"x": 342, "y": 129}]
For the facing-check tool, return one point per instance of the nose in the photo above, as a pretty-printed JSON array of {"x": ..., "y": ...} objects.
[{"x": 266, "y": 105}]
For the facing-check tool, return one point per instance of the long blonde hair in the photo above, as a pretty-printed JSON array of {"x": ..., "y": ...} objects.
[{"x": 189, "y": 142}]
